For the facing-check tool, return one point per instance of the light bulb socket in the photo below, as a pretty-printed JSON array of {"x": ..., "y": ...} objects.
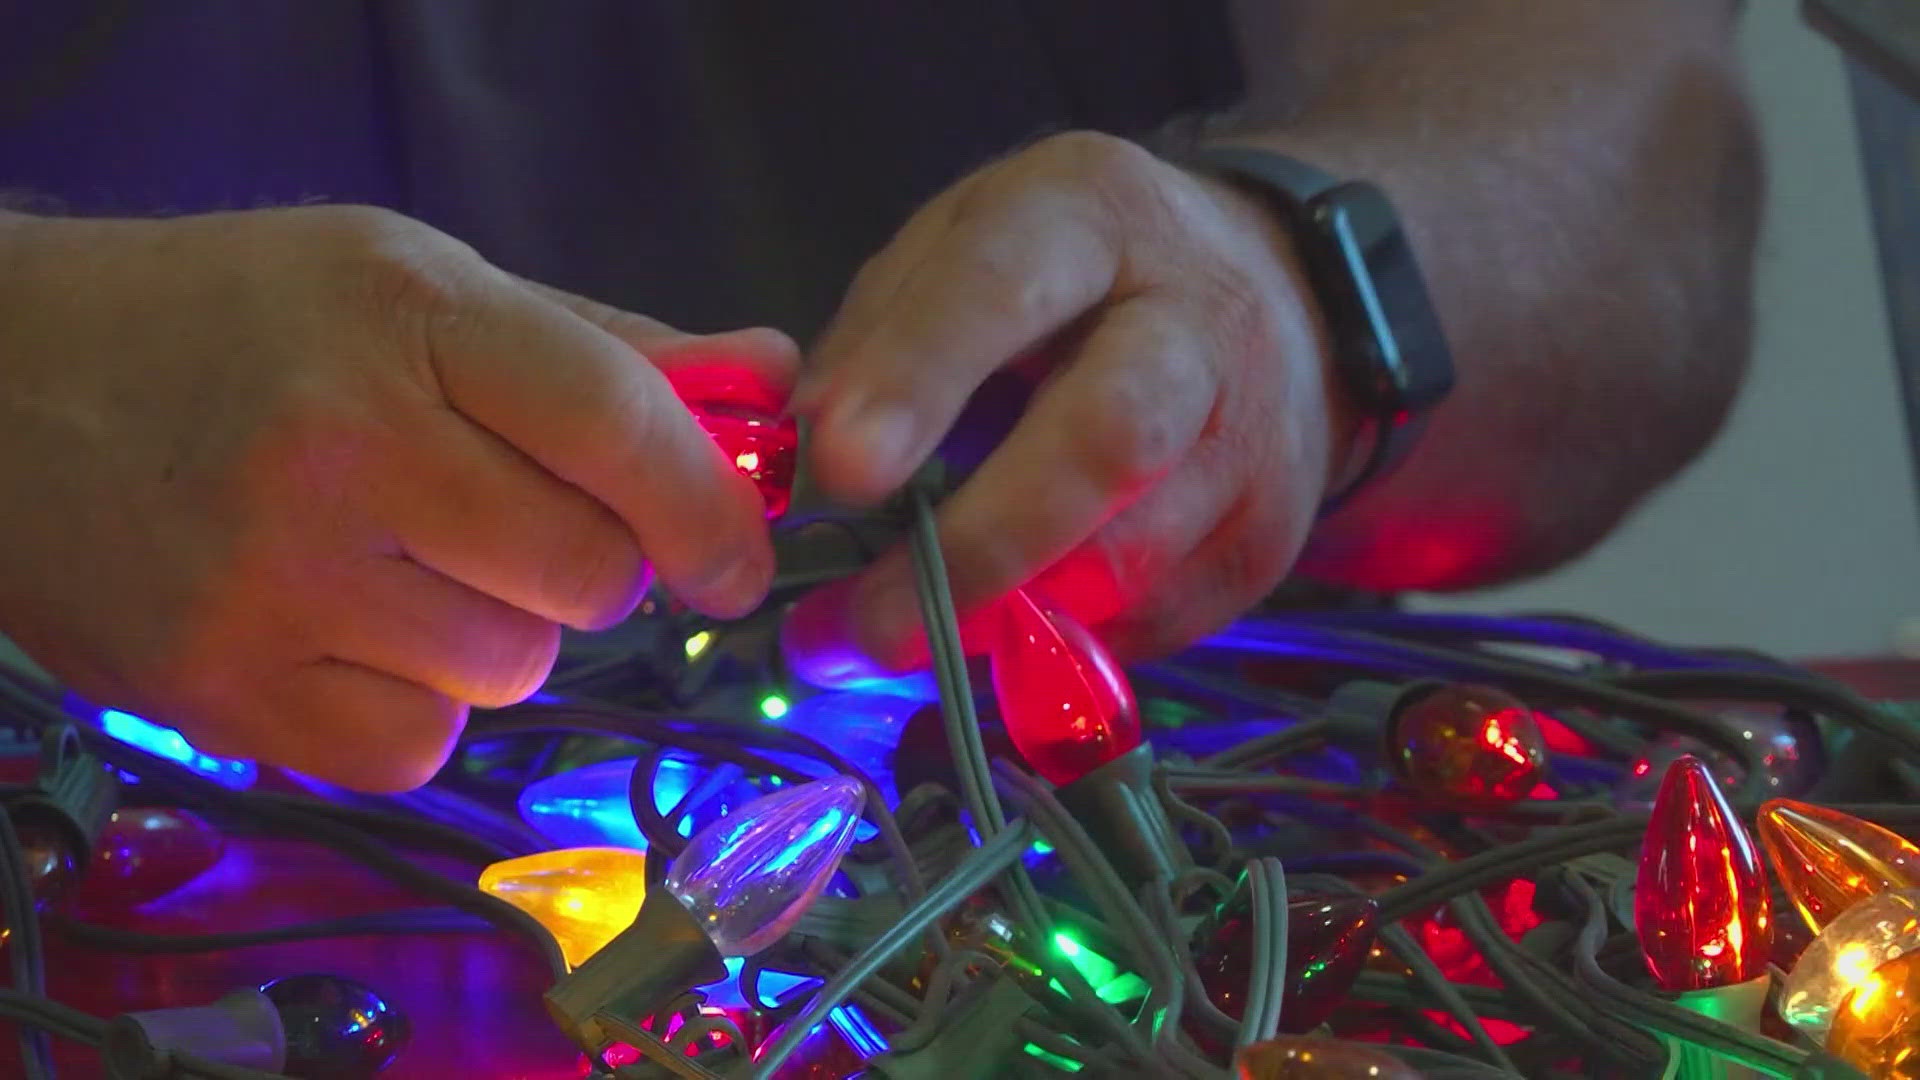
[
  {"x": 1736, "y": 1005},
  {"x": 1117, "y": 806},
  {"x": 242, "y": 1029},
  {"x": 648, "y": 965},
  {"x": 1363, "y": 711},
  {"x": 71, "y": 799},
  {"x": 978, "y": 1039}
]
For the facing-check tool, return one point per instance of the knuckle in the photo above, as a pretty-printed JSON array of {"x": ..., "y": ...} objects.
[
  {"x": 1129, "y": 438},
  {"x": 1252, "y": 562},
  {"x": 592, "y": 579},
  {"x": 523, "y": 652},
  {"x": 399, "y": 268},
  {"x": 1129, "y": 182},
  {"x": 1096, "y": 153}
]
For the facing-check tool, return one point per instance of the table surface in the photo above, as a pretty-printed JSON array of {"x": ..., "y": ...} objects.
[{"x": 473, "y": 998}]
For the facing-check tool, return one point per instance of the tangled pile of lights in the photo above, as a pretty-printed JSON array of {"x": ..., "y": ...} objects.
[{"x": 1334, "y": 844}]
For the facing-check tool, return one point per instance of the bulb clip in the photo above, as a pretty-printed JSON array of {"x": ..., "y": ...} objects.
[
  {"x": 1119, "y": 809},
  {"x": 976, "y": 1042},
  {"x": 242, "y": 1029},
  {"x": 649, "y": 964},
  {"x": 72, "y": 798}
]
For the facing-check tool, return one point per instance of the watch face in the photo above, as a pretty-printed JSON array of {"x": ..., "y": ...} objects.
[{"x": 1386, "y": 296}]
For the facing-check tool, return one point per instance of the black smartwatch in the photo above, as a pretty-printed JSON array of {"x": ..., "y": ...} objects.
[{"x": 1387, "y": 342}]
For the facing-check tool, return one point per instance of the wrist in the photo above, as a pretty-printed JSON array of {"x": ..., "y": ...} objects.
[{"x": 1341, "y": 430}]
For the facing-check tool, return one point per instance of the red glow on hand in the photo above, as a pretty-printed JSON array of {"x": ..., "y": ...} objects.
[
  {"x": 1067, "y": 706},
  {"x": 744, "y": 417},
  {"x": 1701, "y": 899}
]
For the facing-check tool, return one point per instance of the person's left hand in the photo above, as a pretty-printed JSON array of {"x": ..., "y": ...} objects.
[{"x": 1170, "y": 464}]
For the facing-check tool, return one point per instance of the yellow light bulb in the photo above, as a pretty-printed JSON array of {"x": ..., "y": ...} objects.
[
  {"x": 583, "y": 896},
  {"x": 1877, "y": 1029},
  {"x": 1852, "y": 961}
]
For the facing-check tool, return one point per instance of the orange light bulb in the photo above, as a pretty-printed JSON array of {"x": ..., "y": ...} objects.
[
  {"x": 583, "y": 896},
  {"x": 1829, "y": 861}
]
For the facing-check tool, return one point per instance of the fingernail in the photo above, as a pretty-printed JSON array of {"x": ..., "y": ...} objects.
[
  {"x": 886, "y": 434},
  {"x": 738, "y": 589}
]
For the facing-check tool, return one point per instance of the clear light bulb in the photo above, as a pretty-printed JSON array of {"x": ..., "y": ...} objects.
[
  {"x": 1844, "y": 957},
  {"x": 583, "y": 896},
  {"x": 747, "y": 878}
]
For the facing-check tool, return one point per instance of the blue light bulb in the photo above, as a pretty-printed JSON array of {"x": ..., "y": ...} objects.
[
  {"x": 588, "y": 807},
  {"x": 747, "y": 878},
  {"x": 863, "y": 728},
  {"x": 164, "y": 742}
]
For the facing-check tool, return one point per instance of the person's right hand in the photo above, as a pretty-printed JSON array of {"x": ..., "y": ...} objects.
[{"x": 308, "y": 483}]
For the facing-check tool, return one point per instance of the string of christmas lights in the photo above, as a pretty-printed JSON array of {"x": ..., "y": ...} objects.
[{"x": 1332, "y": 844}]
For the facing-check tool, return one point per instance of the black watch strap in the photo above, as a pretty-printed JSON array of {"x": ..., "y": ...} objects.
[{"x": 1291, "y": 185}]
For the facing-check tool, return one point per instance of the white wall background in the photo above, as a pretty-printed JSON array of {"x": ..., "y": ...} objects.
[{"x": 1798, "y": 531}]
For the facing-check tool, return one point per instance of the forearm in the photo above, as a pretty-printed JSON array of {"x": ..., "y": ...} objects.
[{"x": 1580, "y": 181}]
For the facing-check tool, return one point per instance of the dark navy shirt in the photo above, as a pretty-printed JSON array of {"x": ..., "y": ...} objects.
[{"x": 714, "y": 163}]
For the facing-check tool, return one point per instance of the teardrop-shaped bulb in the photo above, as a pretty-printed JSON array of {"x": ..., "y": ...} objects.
[
  {"x": 589, "y": 806},
  {"x": 1877, "y": 1026},
  {"x": 1843, "y": 958},
  {"x": 748, "y": 877},
  {"x": 1829, "y": 861},
  {"x": 583, "y": 896},
  {"x": 1067, "y": 706},
  {"x": 1328, "y": 941},
  {"x": 746, "y": 420},
  {"x": 1701, "y": 902},
  {"x": 143, "y": 854},
  {"x": 336, "y": 1028},
  {"x": 1789, "y": 751},
  {"x": 1303, "y": 1058},
  {"x": 1469, "y": 742}
]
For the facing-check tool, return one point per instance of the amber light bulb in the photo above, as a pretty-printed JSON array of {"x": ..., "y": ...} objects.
[
  {"x": 1828, "y": 861},
  {"x": 1469, "y": 742},
  {"x": 1318, "y": 1059},
  {"x": 1067, "y": 706},
  {"x": 583, "y": 896},
  {"x": 1701, "y": 898},
  {"x": 1876, "y": 1029}
]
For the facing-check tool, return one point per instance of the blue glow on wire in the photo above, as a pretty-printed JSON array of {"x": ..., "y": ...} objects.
[
  {"x": 774, "y": 987},
  {"x": 853, "y": 1026},
  {"x": 164, "y": 742}
]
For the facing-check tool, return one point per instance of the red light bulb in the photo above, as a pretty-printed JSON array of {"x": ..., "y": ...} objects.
[
  {"x": 1328, "y": 942},
  {"x": 1469, "y": 742},
  {"x": 746, "y": 420},
  {"x": 142, "y": 855},
  {"x": 1701, "y": 900},
  {"x": 1067, "y": 707}
]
